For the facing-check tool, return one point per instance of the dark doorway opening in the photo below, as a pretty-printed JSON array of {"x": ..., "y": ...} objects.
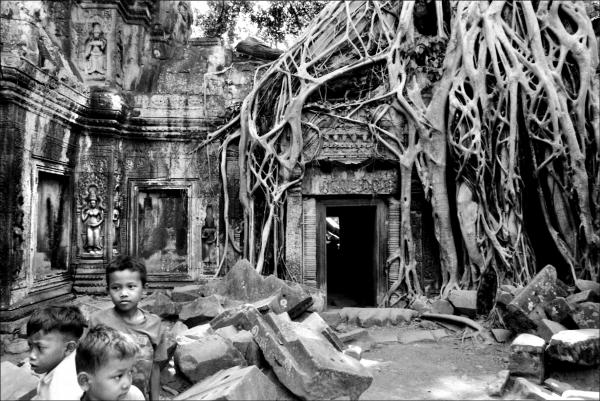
[{"x": 351, "y": 262}]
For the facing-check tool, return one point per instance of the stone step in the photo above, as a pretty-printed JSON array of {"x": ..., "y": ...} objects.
[{"x": 369, "y": 317}]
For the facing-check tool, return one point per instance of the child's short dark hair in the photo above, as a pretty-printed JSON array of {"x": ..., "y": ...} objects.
[
  {"x": 100, "y": 344},
  {"x": 126, "y": 262},
  {"x": 66, "y": 319}
]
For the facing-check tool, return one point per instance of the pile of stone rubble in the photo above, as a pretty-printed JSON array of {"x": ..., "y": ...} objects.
[
  {"x": 252, "y": 337},
  {"x": 558, "y": 332}
]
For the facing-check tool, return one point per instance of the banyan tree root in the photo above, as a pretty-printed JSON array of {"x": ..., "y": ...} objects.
[{"x": 516, "y": 82}]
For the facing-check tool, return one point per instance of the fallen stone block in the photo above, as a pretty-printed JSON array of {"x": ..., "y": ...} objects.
[
  {"x": 580, "y": 395},
  {"x": 581, "y": 347},
  {"x": 186, "y": 293},
  {"x": 527, "y": 357},
  {"x": 314, "y": 322},
  {"x": 354, "y": 351},
  {"x": 556, "y": 386},
  {"x": 352, "y": 335},
  {"x": 464, "y": 302},
  {"x": 244, "y": 342},
  {"x": 401, "y": 315},
  {"x": 160, "y": 304},
  {"x": 332, "y": 318},
  {"x": 308, "y": 365},
  {"x": 540, "y": 290},
  {"x": 170, "y": 332},
  {"x": 497, "y": 386},
  {"x": 504, "y": 297},
  {"x": 200, "y": 311},
  {"x": 583, "y": 285},
  {"x": 235, "y": 383},
  {"x": 420, "y": 305},
  {"x": 501, "y": 335},
  {"x": 350, "y": 315},
  {"x": 318, "y": 296},
  {"x": 200, "y": 358},
  {"x": 537, "y": 314},
  {"x": 197, "y": 332},
  {"x": 583, "y": 296},
  {"x": 283, "y": 394},
  {"x": 414, "y": 336},
  {"x": 368, "y": 317},
  {"x": 17, "y": 383},
  {"x": 174, "y": 380},
  {"x": 524, "y": 389},
  {"x": 586, "y": 315},
  {"x": 442, "y": 306},
  {"x": 558, "y": 309},
  {"x": 297, "y": 306},
  {"x": 244, "y": 283},
  {"x": 16, "y": 346},
  {"x": 438, "y": 334},
  {"x": 547, "y": 328}
]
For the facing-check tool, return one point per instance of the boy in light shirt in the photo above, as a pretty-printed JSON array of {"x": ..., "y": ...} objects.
[{"x": 53, "y": 334}]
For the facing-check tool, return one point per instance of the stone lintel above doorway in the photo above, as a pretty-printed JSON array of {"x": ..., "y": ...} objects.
[{"x": 345, "y": 181}]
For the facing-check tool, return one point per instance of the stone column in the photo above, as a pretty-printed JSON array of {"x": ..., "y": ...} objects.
[
  {"x": 293, "y": 235},
  {"x": 309, "y": 241},
  {"x": 393, "y": 238}
]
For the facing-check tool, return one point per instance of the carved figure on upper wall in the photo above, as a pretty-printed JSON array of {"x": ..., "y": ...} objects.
[
  {"x": 95, "y": 51},
  {"x": 183, "y": 23},
  {"x": 92, "y": 216},
  {"x": 116, "y": 220}
]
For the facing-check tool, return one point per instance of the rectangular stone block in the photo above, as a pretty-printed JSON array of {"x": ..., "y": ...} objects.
[
  {"x": 558, "y": 309},
  {"x": 200, "y": 358},
  {"x": 307, "y": 364},
  {"x": 583, "y": 285},
  {"x": 523, "y": 389},
  {"x": 581, "y": 347},
  {"x": 352, "y": 335},
  {"x": 586, "y": 315},
  {"x": 583, "y": 296},
  {"x": 557, "y": 386},
  {"x": 235, "y": 383},
  {"x": 201, "y": 310},
  {"x": 540, "y": 290},
  {"x": 527, "y": 357},
  {"x": 464, "y": 302},
  {"x": 547, "y": 328}
]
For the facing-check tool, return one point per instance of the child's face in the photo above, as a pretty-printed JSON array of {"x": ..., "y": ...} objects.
[
  {"x": 48, "y": 350},
  {"x": 125, "y": 289},
  {"x": 109, "y": 382}
]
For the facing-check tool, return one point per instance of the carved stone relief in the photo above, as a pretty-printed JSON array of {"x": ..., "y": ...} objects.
[
  {"x": 90, "y": 40},
  {"x": 340, "y": 182}
]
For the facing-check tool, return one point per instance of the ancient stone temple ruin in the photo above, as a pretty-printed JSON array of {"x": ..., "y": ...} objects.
[{"x": 103, "y": 105}]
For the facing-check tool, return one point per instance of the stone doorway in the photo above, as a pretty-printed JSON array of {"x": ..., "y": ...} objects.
[{"x": 351, "y": 251}]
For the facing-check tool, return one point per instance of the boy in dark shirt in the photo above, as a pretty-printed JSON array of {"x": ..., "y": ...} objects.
[{"x": 126, "y": 279}]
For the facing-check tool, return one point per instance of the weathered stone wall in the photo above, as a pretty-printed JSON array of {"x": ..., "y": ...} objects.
[{"x": 101, "y": 129}]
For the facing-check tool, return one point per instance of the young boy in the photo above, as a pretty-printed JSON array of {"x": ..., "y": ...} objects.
[
  {"x": 53, "y": 334},
  {"x": 125, "y": 280},
  {"x": 104, "y": 364}
]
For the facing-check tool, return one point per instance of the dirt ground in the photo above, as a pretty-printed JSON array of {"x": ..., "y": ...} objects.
[{"x": 447, "y": 369}]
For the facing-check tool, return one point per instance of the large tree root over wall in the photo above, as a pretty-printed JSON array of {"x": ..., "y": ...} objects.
[{"x": 516, "y": 83}]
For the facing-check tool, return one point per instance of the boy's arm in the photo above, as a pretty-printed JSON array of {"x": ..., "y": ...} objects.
[{"x": 155, "y": 382}]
